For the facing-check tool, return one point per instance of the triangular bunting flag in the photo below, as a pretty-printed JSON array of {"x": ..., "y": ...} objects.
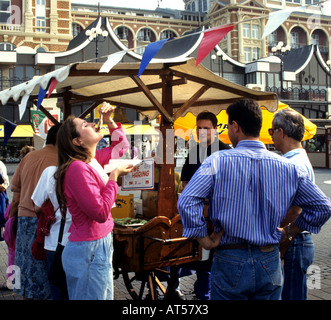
[
  {"x": 112, "y": 61},
  {"x": 41, "y": 96},
  {"x": 52, "y": 86},
  {"x": 210, "y": 39},
  {"x": 22, "y": 105},
  {"x": 277, "y": 18},
  {"x": 151, "y": 50},
  {"x": 9, "y": 128}
]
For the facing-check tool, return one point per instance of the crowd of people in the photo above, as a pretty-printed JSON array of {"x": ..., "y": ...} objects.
[{"x": 262, "y": 208}]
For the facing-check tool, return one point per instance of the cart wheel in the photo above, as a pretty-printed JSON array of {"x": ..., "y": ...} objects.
[
  {"x": 136, "y": 292},
  {"x": 128, "y": 281}
]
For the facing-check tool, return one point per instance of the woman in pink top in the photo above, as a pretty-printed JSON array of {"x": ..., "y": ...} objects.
[{"x": 85, "y": 189}]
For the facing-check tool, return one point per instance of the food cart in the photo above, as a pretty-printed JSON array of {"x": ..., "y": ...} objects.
[{"x": 167, "y": 89}]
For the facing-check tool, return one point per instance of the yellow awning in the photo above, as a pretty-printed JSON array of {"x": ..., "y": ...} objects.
[
  {"x": 21, "y": 131},
  {"x": 131, "y": 129},
  {"x": 184, "y": 126}
]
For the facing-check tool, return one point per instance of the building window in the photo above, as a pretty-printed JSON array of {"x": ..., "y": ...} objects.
[
  {"x": 40, "y": 24},
  {"x": 140, "y": 50},
  {"x": 146, "y": 35},
  {"x": 315, "y": 2},
  {"x": 6, "y": 46},
  {"x": 20, "y": 74},
  {"x": 41, "y": 49},
  {"x": 205, "y": 6},
  {"x": 255, "y": 31},
  {"x": 122, "y": 33},
  {"x": 76, "y": 29},
  {"x": 247, "y": 54},
  {"x": 167, "y": 34},
  {"x": 272, "y": 39},
  {"x": 40, "y": 15},
  {"x": 256, "y": 54},
  {"x": 294, "y": 40},
  {"x": 315, "y": 39},
  {"x": 4, "y": 11},
  {"x": 246, "y": 30}
]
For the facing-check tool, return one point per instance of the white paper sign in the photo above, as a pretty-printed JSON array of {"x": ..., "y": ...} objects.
[
  {"x": 114, "y": 163},
  {"x": 141, "y": 177}
]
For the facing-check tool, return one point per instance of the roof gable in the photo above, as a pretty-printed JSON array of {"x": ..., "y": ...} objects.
[
  {"x": 218, "y": 5},
  {"x": 252, "y": 3}
]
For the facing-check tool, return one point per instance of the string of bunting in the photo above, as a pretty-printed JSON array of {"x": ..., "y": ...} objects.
[
  {"x": 211, "y": 37},
  {"x": 9, "y": 128}
]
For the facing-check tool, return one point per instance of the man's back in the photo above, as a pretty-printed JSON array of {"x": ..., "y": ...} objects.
[
  {"x": 250, "y": 191},
  {"x": 27, "y": 175}
]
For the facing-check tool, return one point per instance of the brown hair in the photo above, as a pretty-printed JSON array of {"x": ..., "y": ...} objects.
[
  {"x": 25, "y": 150},
  {"x": 206, "y": 115},
  {"x": 67, "y": 153}
]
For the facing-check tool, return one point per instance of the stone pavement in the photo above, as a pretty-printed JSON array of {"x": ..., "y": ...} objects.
[{"x": 319, "y": 279}]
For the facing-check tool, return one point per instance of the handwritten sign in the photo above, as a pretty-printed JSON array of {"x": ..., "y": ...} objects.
[{"x": 141, "y": 177}]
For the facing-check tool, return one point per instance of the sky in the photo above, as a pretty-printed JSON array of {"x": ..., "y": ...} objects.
[{"x": 136, "y": 4}]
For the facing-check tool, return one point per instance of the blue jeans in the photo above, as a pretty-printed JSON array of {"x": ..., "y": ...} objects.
[
  {"x": 89, "y": 269},
  {"x": 247, "y": 274},
  {"x": 297, "y": 259}
]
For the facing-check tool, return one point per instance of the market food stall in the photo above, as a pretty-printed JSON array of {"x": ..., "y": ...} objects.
[{"x": 167, "y": 89}]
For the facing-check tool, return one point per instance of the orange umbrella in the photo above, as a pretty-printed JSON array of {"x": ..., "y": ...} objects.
[{"x": 185, "y": 126}]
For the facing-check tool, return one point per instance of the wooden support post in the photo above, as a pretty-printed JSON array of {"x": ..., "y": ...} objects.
[
  {"x": 167, "y": 197},
  {"x": 66, "y": 104}
]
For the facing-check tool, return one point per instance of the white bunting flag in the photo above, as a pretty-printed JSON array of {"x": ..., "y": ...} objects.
[
  {"x": 277, "y": 18},
  {"x": 22, "y": 105},
  {"x": 112, "y": 61}
]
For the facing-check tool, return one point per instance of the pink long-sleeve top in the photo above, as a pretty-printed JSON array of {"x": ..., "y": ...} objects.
[{"x": 89, "y": 199}]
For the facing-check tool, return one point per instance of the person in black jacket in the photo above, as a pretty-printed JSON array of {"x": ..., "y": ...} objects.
[{"x": 206, "y": 126}]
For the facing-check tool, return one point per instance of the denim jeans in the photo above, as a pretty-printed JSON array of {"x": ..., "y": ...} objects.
[
  {"x": 89, "y": 270},
  {"x": 247, "y": 274},
  {"x": 297, "y": 259}
]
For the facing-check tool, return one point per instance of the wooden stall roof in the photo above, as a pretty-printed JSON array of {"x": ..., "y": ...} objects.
[{"x": 195, "y": 88}]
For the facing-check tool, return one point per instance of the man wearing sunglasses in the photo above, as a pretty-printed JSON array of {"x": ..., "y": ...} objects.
[
  {"x": 287, "y": 132},
  {"x": 250, "y": 190}
]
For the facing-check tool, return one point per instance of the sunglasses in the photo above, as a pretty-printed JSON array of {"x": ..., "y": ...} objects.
[{"x": 272, "y": 130}]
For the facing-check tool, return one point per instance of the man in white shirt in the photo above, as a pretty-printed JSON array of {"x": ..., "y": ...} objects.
[{"x": 287, "y": 132}]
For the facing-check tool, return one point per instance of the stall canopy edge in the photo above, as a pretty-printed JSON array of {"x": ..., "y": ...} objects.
[{"x": 195, "y": 88}]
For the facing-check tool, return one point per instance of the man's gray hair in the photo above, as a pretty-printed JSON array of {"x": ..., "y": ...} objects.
[{"x": 291, "y": 122}]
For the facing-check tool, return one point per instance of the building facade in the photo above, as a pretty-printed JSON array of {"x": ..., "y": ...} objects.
[
  {"x": 312, "y": 25},
  {"x": 38, "y": 36}
]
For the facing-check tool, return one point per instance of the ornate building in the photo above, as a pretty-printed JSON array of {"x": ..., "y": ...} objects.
[{"x": 244, "y": 44}]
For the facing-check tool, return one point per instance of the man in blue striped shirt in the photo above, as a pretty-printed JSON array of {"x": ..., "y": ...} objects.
[{"x": 250, "y": 191}]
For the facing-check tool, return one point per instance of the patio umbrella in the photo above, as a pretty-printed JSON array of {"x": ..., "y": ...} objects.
[{"x": 185, "y": 126}]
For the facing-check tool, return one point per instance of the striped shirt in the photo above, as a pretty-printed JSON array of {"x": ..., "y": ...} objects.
[{"x": 250, "y": 190}]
